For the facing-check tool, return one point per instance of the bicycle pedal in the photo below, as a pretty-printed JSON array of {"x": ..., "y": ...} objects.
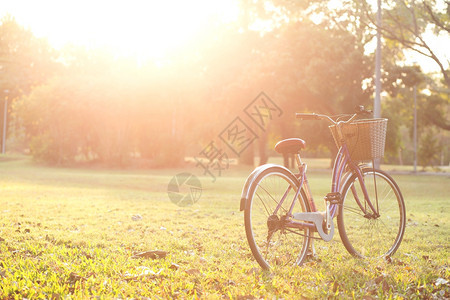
[{"x": 334, "y": 198}]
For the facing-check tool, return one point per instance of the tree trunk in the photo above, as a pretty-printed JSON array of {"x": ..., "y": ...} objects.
[
  {"x": 333, "y": 153},
  {"x": 262, "y": 149},
  {"x": 247, "y": 156}
]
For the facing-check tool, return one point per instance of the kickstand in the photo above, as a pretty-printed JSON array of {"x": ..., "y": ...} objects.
[{"x": 312, "y": 250}]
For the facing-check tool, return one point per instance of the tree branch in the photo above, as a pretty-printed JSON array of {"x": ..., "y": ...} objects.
[
  {"x": 434, "y": 18},
  {"x": 389, "y": 34}
]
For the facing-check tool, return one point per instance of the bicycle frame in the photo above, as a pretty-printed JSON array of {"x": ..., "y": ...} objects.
[
  {"x": 343, "y": 160},
  {"x": 339, "y": 174}
]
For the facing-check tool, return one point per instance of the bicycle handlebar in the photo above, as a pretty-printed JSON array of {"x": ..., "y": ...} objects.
[
  {"x": 307, "y": 116},
  {"x": 313, "y": 116}
]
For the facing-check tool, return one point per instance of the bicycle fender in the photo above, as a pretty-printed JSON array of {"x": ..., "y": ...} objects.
[{"x": 251, "y": 178}]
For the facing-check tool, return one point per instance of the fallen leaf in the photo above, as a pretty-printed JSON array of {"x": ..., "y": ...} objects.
[
  {"x": 246, "y": 297},
  {"x": 410, "y": 255},
  {"x": 55, "y": 296},
  {"x": 143, "y": 272},
  {"x": 174, "y": 266},
  {"x": 379, "y": 279},
  {"x": 136, "y": 218},
  {"x": 193, "y": 272},
  {"x": 230, "y": 282},
  {"x": 146, "y": 271},
  {"x": 2, "y": 239},
  {"x": 74, "y": 277},
  {"x": 153, "y": 254},
  {"x": 385, "y": 286},
  {"x": 440, "y": 281},
  {"x": 335, "y": 286},
  {"x": 253, "y": 271},
  {"x": 412, "y": 223},
  {"x": 400, "y": 263},
  {"x": 87, "y": 255}
]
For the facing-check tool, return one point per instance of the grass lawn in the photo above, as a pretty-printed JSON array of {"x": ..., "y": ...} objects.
[{"x": 78, "y": 233}]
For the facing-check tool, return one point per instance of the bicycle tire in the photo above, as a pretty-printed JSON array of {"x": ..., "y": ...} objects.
[
  {"x": 371, "y": 236},
  {"x": 286, "y": 246}
]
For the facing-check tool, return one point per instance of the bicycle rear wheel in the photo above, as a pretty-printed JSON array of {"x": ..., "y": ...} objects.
[
  {"x": 272, "y": 243},
  {"x": 363, "y": 232}
]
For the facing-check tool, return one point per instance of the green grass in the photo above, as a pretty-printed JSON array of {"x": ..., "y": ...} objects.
[{"x": 70, "y": 232}]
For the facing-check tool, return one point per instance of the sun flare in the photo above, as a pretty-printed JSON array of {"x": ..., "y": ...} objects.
[{"x": 145, "y": 29}]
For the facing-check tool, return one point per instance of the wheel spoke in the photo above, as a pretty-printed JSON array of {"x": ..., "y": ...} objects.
[
  {"x": 277, "y": 202},
  {"x": 264, "y": 204},
  {"x": 372, "y": 235},
  {"x": 271, "y": 243},
  {"x": 356, "y": 211}
]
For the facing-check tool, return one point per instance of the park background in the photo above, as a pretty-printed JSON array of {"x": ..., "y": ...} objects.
[
  {"x": 158, "y": 98},
  {"x": 98, "y": 119}
]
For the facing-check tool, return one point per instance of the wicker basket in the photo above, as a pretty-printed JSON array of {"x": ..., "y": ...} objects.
[{"x": 365, "y": 138}]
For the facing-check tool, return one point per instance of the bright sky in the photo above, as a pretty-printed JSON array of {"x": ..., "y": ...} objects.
[{"x": 146, "y": 29}]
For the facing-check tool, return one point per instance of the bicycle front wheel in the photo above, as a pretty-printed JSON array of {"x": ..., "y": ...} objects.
[
  {"x": 271, "y": 241},
  {"x": 368, "y": 232}
]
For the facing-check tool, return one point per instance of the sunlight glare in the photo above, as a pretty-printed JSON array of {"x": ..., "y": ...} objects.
[{"x": 146, "y": 29}]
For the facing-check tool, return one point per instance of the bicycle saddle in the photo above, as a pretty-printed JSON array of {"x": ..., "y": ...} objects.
[{"x": 288, "y": 146}]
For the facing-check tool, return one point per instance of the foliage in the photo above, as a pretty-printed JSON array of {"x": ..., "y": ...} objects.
[
  {"x": 80, "y": 105},
  {"x": 109, "y": 110},
  {"x": 435, "y": 111},
  {"x": 306, "y": 67},
  {"x": 406, "y": 23},
  {"x": 25, "y": 61},
  {"x": 96, "y": 116},
  {"x": 429, "y": 148},
  {"x": 394, "y": 139},
  {"x": 405, "y": 26},
  {"x": 432, "y": 105}
]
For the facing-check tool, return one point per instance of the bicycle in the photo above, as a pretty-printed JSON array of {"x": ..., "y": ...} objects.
[{"x": 280, "y": 214}]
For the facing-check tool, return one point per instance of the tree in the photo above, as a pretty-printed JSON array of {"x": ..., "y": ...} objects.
[
  {"x": 399, "y": 82},
  {"x": 110, "y": 110},
  {"x": 120, "y": 110},
  {"x": 307, "y": 67},
  {"x": 429, "y": 149},
  {"x": 407, "y": 24},
  {"x": 25, "y": 61}
]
